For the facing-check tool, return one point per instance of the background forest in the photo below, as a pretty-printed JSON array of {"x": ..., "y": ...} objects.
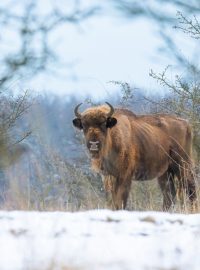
[{"x": 43, "y": 162}]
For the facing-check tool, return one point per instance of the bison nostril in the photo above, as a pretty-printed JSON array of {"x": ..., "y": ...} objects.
[{"x": 94, "y": 145}]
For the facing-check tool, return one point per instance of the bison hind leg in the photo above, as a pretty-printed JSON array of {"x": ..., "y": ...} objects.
[
  {"x": 166, "y": 183},
  {"x": 187, "y": 186}
]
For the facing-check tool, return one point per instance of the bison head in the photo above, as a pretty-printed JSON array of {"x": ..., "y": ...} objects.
[{"x": 95, "y": 122}]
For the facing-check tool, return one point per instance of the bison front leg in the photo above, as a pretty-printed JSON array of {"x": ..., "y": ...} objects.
[
  {"x": 109, "y": 182},
  {"x": 120, "y": 194}
]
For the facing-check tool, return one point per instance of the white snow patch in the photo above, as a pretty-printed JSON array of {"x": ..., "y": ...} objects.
[{"x": 99, "y": 239}]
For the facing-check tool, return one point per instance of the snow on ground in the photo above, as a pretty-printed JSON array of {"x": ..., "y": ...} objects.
[{"x": 99, "y": 239}]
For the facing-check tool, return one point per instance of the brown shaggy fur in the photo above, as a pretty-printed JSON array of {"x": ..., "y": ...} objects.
[{"x": 140, "y": 147}]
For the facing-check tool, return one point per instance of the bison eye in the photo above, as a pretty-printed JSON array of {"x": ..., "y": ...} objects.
[
  {"x": 103, "y": 125},
  {"x": 85, "y": 127}
]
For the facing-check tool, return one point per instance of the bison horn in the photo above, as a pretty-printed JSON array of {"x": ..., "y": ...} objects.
[
  {"x": 78, "y": 115},
  {"x": 111, "y": 110}
]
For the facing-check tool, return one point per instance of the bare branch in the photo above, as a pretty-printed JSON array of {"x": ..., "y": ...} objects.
[{"x": 188, "y": 26}]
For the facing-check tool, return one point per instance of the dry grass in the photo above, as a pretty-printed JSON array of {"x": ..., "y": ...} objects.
[
  {"x": 52, "y": 184},
  {"x": 84, "y": 194}
]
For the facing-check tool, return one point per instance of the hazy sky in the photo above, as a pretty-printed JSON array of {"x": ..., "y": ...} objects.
[
  {"x": 102, "y": 49},
  {"x": 106, "y": 50}
]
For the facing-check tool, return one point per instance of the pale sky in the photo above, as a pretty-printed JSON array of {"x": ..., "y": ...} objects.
[
  {"x": 102, "y": 49},
  {"x": 106, "y": 50}
]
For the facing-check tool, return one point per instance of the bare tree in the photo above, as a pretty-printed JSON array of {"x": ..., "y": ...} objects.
[
  {"x": 183, "y": 100},
  {"x": 31, "y": 28},
  {"x": 26, "y": 52},
  {"x": 162, "y": 14},
  {"x": 189, "y": 26}
]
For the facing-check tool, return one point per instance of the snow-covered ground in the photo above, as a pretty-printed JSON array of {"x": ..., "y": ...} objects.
[{"x": 99, "y": 239}]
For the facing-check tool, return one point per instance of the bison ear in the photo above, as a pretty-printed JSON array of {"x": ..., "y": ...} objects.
[
  {"x": 111, "y": 122},
  {"x": 77, "y": 123}
]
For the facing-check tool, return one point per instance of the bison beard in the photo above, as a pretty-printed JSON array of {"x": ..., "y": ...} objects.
[{"x": 125, "y": 146}]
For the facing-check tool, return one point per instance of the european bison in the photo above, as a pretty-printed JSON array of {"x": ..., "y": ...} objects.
[{"x": 125, "y": 146}]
